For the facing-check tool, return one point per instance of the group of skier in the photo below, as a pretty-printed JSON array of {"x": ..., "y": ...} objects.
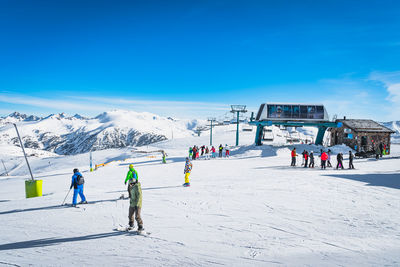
[
  {"x": 204, "y": 152},
  {"x": 325, "y": 157}
]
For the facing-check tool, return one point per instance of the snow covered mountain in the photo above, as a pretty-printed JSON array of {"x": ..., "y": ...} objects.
[
  {"x": 72, "y": 135},
  {"x": 395, "y": 126}
]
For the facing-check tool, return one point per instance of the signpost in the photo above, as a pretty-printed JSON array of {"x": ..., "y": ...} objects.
[{"x": 33, "y": 188}]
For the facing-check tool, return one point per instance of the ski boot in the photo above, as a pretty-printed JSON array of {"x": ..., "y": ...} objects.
[{"x": 83, "y": 202}]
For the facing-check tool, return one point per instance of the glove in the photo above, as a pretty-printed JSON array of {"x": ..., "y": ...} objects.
[
  {"x": 125, "y": 182},
  {"x": 71, "y": 186}
]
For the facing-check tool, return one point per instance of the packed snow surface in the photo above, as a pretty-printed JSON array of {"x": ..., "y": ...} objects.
[{"x": 251, "y": 209}]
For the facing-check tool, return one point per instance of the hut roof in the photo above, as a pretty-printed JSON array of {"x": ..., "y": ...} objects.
[{"x": 365, "y": 126}]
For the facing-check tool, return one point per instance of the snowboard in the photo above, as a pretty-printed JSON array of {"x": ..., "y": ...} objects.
[{"x": 132, "y": 230}]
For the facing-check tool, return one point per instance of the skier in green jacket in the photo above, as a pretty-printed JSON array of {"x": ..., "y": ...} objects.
[
  {"x": 135, "y": 206},
  {"x": 131, "y": 176}
]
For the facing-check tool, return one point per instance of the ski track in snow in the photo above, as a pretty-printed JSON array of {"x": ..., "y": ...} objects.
[{"x": 248, "y": 210}]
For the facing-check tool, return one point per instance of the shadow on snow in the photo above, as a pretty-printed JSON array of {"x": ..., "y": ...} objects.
[
  {"x": 45, "y": 242},
  {"x": 390, "y": 180},
  {"x": 54, "y": 207}
]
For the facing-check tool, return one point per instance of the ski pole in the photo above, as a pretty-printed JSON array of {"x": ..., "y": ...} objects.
[{"x": 66, "y": 196}]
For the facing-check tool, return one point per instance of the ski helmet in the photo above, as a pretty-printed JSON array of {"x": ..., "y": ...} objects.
[
  {"x": 76, "y": 170},
  {"x": 130, "y": 166}
]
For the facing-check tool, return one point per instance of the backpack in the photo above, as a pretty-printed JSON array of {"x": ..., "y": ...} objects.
[{"x": 80, "y": 180}]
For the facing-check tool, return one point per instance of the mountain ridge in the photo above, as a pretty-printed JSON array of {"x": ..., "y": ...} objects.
[{"x": 68, "y": 135}]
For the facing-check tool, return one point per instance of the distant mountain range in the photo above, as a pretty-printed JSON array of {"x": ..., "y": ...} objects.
[
  {"x": 67, "y": 135},
  {"x": 395, "y": 126}
]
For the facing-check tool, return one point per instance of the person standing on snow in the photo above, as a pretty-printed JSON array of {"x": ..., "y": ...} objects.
[
  {"x": 305, "y": 159},
  {"x": 220, "y": 150},
  {"x": 131, "y": 178},
  {"x": 213, "y": 152},
  {"x": 207, "y": 153},
  {"x": 77, "y": 183},
  {"x": 339, "y": 159},
  {"x": 381, "y": 149},
  {"x": 324, "y": 158},
  {"x": 329, "y": 158},
  {"x": 194, "y": 152},
  {"x": 294, "y": 155},
  {"x": 351, "y": 157},
  {"x": 164, "y": 156},
  {"x": 190, "y": 152},
  {"x": 226, "y": 151},
  {"x": 311, "y": 160},
  {"x": 135, "y": 206},
  {"x": 378, "y": 152},
  {"x": 187, "y": 171}
]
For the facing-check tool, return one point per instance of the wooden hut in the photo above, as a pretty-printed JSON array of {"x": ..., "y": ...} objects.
[{"x": 361, "y": 135}]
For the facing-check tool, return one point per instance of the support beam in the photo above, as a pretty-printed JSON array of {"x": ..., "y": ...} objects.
[
  {"x": 259, "y": 134},
  {"x": 322, "y": 127},
  {"x": 320, "y": 135}
]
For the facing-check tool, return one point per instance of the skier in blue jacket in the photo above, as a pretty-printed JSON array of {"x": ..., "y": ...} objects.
[{"x": 77, "y": 184}]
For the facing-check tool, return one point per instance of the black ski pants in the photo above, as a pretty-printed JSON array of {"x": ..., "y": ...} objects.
[{"x": 323, "y": 164}]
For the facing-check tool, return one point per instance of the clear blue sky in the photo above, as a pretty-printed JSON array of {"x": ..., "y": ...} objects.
[{"x": 194, "y": 58}]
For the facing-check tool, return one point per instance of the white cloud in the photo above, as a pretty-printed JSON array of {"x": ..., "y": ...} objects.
[
  {"x": 391, "y": 82},
  {"x": 45, "y": 102},
  {"x": 94, "y": 105}
]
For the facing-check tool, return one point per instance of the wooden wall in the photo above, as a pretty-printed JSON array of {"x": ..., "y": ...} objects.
[{"x": 372, "y": 139}]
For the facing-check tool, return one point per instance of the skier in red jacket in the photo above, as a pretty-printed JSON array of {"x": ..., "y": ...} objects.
[
  {"x": 324, "y": 157},
  {"x": 294, "y": 155}
]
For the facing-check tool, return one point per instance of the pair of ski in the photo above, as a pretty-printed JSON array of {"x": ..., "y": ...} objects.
[
  {"x": 132, "y": 230},
  {"x": 72, "y": 206}
]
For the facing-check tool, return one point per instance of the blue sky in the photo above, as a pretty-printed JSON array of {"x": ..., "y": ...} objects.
[{"x": 195, "y": 58}]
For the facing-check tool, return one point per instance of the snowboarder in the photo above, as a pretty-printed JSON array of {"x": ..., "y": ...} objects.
[
  {"x": 220, "y": 150},
  {"x": 226, "y": 151},
  {"x": 339, "y": 159},
  {"x": 329, "y": 158},
  {"x": 324, "y": 158},
  {"x": 305, "y": 159},
  {"x": 135, "y": 206},
  {"x": 351, "y": 157},
  {"x": 294, "y": 155},
  {"x": 187, "y": 171},
  {"x": 164, "y": 156},
  {"x": 311, "y": 160},
  {"x": 131, "y": 177},
  {"x": 77, "y": 183}
]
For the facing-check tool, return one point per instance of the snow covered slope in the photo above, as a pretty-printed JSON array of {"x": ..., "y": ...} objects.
[
  {"x": 248, "y": 210},
  {"x": 71, "y": 135}
]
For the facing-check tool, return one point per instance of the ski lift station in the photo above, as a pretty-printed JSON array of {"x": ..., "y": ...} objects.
[{"x": 292, "y": 115}]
